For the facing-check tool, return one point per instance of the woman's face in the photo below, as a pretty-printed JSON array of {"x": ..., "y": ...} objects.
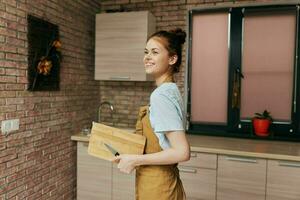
[{"x": 156, "y": 58}]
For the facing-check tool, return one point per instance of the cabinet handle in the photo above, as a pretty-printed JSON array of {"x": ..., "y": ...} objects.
[
  {"x": 193, "y": 154},
  {"x": 120, "y": 78},
  {"x": 187, "y": 170},
  {"x": 288, "y": 164},
  {"x": 241, "y": 159}
]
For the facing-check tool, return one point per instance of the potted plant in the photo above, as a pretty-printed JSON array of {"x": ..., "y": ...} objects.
[{"x": 261, "y": 123}]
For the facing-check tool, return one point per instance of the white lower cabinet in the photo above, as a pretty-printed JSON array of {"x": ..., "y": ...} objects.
[
  {"x": 206, "y": 176},
  {"x": 93, "y": 176},
  {"x": 198, "y": 176},
  {"x": 123, "y": 185},
  {"x": 283, "y": 180},
  {"x": 241, "y": 178},
  {"x": 99, "y": 179}
]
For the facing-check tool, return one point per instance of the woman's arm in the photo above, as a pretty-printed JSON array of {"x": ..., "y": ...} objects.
[{"x": 178, "y": 152}]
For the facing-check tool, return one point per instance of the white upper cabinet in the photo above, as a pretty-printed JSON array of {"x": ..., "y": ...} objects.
[{"x": 119, "y": 45}]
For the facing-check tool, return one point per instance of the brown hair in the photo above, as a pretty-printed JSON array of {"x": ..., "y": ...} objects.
[{"x": 174, "y": 39}]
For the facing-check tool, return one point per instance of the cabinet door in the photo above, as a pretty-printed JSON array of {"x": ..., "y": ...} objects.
[
  {"x": 93, "y": 175},
  {"x": 123, "y": 185},
  {"x": 203, "y": 160},
  {"x": 198, "y": 183},
  {"x": 283, "y": 180},
  {"x": 119, "y": 45},
  {"x": 241, "y": 178}
]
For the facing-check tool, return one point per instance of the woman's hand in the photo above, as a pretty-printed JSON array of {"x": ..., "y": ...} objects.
[{"x": 126, "y": 162}]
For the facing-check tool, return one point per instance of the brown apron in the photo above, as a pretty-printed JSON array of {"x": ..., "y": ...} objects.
[{"x": 159, "y": 182}]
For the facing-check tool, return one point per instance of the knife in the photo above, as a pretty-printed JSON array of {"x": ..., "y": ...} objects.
[{"x": 112, "y": 150}]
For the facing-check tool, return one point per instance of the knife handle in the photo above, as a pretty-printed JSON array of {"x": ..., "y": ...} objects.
[{"x": 117, "y": 154}]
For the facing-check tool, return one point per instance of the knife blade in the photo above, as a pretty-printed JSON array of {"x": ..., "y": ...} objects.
[{"x": 112, "y": 150}]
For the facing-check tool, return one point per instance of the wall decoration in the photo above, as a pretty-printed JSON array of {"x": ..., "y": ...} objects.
[{"x": 44, "y": 55}]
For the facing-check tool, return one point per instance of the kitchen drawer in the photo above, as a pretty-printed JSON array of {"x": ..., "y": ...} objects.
[
  {"x": 198, "y": 183},
  {"x": 241, "y": 178},
  {"x": 283, "y": 180},
  {"x": 203, "y": 160}
]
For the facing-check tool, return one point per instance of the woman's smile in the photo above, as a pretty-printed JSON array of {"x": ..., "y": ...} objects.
[{"x": 149, "y": 65}]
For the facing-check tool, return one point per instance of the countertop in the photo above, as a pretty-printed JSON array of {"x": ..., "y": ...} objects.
[{"x": 236, "y": 147}]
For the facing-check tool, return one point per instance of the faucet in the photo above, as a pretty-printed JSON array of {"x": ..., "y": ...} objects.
[{"x": 102, "y": 104}]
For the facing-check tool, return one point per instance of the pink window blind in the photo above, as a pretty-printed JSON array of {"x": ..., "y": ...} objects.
[
  {"x": 268, "y": 63},
  {"x": 209, "y": 78}
]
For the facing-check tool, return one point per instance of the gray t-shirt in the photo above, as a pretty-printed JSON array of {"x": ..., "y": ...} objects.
[{"x": 166, "y": 108}]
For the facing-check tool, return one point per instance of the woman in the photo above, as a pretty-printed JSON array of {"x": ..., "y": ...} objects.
[{"x": 157, "y": 176}]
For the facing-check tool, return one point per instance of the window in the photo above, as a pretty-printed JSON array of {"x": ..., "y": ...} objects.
[{"x": 242, "y": 61}]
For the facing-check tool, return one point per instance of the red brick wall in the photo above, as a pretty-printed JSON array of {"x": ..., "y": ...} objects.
[
  {"x": 128, "y": 96},
  {"x": 39, "y": 160}
]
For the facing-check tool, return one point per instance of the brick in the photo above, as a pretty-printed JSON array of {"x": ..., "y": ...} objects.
[
  {"x": 22, "y": 79},
  {"x": 22, "y": 36},
  {"x": 9, "y": 108},
  {"x": 14, "y": 86},
  {"x": 16, "y": 26},
  {"x": 194, "y": 1},
  {"x": 22, "y": 65},
  {"x": 8, "y": 16},
  {"x": 16, "y": 57},
  {"x": 14, "y": 41},
  {"x": 15, "y": 162},
  {"x": 3, "y": 23},
  {"x": 22, "y": 6},
  {"x": 160, "y": 3},
  {"x": 14, "y": 143},
  {"x": 7, "y": 152},
  {"x": 2, "y": 102},
  {"x": 2, "y": 147},
  {"x": 212, "y": 1},
  {"x": 7, "y": 79},
  {"x": 14, "y": 101},
  {"x": 4, "y": 94},
  {"x": 5, "y": 63},
  {"x": 22, "y": 51},
  {"x": 2, "y": 182},
  {"x": 10, "y": 2},
  {"x": 27, "y": 120},
  {"x": 8, "y": 49},
  {"x": 15, "y": 191},
  {"x": 177, "y": 2},
  {"x": 15, "y": 11},
  {"x": 137, "y": 1},
  {"x": 7, "y": 158},
  {"x": 2, "y": 7},
  {"x": 2, "y": 38},
  {"x": 18, "y": 114},
  {"x": 122, "y": 1},
  {"x": 16, "y": 72},
  {"x": 6, "y": 32}
]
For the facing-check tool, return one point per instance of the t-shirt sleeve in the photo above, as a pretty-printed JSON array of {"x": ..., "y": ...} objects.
[{"x": 165, "y": 113}]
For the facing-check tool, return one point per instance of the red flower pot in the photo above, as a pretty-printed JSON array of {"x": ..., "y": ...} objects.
[{"x": 261, "y": 126}]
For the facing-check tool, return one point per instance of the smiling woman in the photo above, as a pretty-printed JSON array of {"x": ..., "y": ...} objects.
[{"x": 157, "y": 175}]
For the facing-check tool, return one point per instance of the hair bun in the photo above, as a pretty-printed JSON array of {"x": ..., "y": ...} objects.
[{"x": 180, "y": 34}]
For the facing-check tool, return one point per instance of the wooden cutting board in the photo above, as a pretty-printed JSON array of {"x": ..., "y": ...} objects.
[{"x": 123, "y": 141}]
